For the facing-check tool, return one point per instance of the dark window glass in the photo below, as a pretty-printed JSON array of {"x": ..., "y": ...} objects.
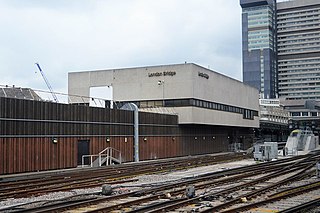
[
  {"x": 169, "y": 103},
  {"x": 184, "y": 102},
  {"x": 248, "y": 114},
  {"x": 313, "y": 113},
  {"x": 295, "y": 113}
]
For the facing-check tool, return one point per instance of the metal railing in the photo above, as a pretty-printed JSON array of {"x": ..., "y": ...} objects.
[
  {"x": 43, "y": 95},
  {"x": 108, "y": 156}
]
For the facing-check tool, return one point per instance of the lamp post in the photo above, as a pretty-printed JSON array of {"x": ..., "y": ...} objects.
[{"x": 161, "y": 83}]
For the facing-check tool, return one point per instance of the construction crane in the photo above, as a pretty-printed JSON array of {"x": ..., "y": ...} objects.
[{"x": 48, "y": 84}]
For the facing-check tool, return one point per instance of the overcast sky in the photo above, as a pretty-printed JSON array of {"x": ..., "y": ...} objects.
[{"x": 79, "y": 35}]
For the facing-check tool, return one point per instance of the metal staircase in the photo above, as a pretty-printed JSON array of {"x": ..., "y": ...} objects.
[{"x": 108, "y": 156}]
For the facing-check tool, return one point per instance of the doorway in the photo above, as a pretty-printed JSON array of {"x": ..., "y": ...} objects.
[{"x": 83, "y": 149}]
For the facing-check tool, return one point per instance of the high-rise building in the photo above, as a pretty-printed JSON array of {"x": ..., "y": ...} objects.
[
  {"x": 290, "y": 65},
  {"x": 259, "y": 45},
  {"x": 299, "y": 49}
]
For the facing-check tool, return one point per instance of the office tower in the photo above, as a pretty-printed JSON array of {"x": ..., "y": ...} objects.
[
  {"x": 259, "y": 46},
  {"x": 299, "y": 49},
  {"x": 282, "y": 56}
]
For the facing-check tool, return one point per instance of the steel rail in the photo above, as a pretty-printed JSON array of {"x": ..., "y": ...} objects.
[
  {"x": 257, "y": 192},
  {"x": 231, "y": 189},
  {"x": 162, "y": 193},
  {"x": 298, "y": 190},
  {"x": 183, "y": 183},
  {"x": 67, "y": 205},
  {"x": 169, "y": 206},
  {"x": 303, "y": 207},
  {"x": 50, "y": 184},
  {"x": 270, "y": 165}
]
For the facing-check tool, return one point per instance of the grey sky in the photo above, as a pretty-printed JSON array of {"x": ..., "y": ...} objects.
[{"x": 76, "y": 35}]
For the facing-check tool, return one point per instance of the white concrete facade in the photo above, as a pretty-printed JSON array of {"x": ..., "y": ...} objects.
[
  {"x": 172, "y": 82},
  {"x": 272, "y": 111}
]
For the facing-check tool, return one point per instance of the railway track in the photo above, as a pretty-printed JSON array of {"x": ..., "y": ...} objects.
[
  {"x": 37, "y": 184},
  {"x": 249, "y": 188}
]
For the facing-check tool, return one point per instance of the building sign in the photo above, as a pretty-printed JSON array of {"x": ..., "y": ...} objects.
[
  {"x": 164, "y": 73},
  {"x": 203, "y": 75}
]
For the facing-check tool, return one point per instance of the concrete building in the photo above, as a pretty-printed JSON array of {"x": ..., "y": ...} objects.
[
  {"x": 281, "y": 47},
  {"x": 303, "y": 114},
  {"x": 299, "y": 49},
  {"x": 198, "y": 95},
  {"x": 272, "y": 111},
  {"x": 273, "y": 121}
]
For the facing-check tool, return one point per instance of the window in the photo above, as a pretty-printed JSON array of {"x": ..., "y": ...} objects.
[
  {"x": 295, "y": 113},
  {"x": 247, "y": 113}
]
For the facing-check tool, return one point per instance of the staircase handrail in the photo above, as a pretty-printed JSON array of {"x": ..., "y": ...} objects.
[
  {"x": 91, "y": 159},
  {"x": 106, "y": 155},
  {"x": 109, "y": 155},
  {"x": 109, "y": 148}
]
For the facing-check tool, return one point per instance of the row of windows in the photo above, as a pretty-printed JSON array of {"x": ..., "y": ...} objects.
[
  {"x": 255, "y": 11},
  {"x": 259, "y": 37},
  {"x": 260, "y": 10},
  {"x": 301, "y": 98},
  {"x": 269, "y": 101},
  {"x": 299, "y": 13},
  {"x": 260, "y": 23},
  {"x": 298, "y": 27},
  {"x": 295, "y": 49},
  {"x": 254, "y": 18},
  {"x": 299, "y": 45},
  {"x": 299, "y": 50},
  {"x": 297, "y": 18},
  {"x": 298, "y": 114},
  {"x": 299, "y": 75},
  {"x": 299, "y": 41},
  {"x": 262, "y": 46},
  {"x": 300, "y": 66},
  {"x": 298, "y": 22},
  {"x": 258, "y": 32},
  {"x": 262, "y": 41},
  {"x": 301, "y": 79},
  {"x": 300, "y": 70},
  {"x": 247, "y": 113},
  {"x": 300, "y": 89},
  {"x": 296, "y": 85},
  {"x": 294, "y": 69},
  {"x": 300, "y": 61},
  {"x": 300, "y": 93},
  {"x": 299, "y": 36}
]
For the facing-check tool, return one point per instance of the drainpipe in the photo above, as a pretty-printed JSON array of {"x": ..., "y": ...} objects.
[
  {"x": 133, "y": 107},
  {"x": 136, "y": 133}
]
